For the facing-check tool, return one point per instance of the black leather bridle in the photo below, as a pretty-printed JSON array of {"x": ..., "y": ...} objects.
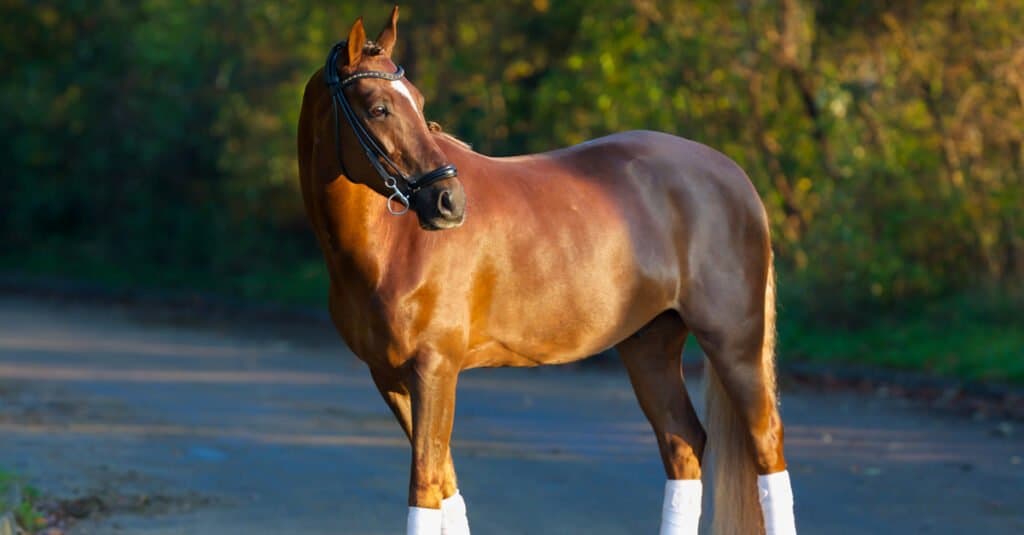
[{"x": 402, "y": 186}]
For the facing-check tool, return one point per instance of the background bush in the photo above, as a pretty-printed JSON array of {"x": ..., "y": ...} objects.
[{"x": 152, "y": 142}]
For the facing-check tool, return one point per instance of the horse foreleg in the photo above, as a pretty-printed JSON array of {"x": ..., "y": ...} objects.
[
  {"x": 431, "y": 380},
  {"x": 396, "y": 394},
  {"x": 653, "y": 358}
]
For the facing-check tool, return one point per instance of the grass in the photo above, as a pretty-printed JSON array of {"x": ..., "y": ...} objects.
[
  {"x": 25, "y": 511},
  {"x": 973, "y": 336}
]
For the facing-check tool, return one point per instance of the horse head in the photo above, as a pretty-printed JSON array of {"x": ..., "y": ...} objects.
[{"x": 383, "y": 139}]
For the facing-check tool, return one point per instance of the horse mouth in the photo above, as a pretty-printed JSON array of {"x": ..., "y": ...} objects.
[{"x": 441, "y": 223}]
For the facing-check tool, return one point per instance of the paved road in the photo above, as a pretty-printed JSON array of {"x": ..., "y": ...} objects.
[{"x": 248, "y": 429}]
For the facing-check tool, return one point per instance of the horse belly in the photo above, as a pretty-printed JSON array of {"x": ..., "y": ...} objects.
[{"x": 556, "y": 315}]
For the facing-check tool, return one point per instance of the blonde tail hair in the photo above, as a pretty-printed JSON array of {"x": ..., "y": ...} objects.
[{"x": 730, "y": 451}]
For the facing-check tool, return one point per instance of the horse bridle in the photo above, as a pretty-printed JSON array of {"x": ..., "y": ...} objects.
[{"x": 402, "y": 187}]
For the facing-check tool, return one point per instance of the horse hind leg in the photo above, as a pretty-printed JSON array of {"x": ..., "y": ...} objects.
[
  {"x": 653, "y": 358},
  {"x": 744, "y": 425}
]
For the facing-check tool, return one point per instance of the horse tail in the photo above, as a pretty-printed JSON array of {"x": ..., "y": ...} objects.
[{"x": 737, "y": 508}]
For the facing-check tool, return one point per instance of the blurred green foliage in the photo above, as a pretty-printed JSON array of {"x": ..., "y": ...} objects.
[{"x": 152, "y": 142}]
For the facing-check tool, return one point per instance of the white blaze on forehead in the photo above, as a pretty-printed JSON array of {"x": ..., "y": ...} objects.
[{"x": 399, "y": 86}]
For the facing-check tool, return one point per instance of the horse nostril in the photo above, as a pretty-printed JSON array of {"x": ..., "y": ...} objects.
[{"x": 445, "y": 204}]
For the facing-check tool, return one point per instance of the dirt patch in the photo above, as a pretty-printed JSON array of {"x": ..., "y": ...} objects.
[
  {"x": 61, "y": 513},
  {"x": 49, "y": 404}
]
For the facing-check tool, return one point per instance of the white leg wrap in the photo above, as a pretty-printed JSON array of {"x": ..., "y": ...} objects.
[
  {"x": 680, "y": 514},
  {"x": 423, "y": 521},
  {"x": 776, "y": 497},
  {"x": 453, "y": 515}
]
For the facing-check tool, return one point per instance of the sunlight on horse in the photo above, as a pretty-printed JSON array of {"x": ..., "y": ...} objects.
[{"x": 630, "y": 241}]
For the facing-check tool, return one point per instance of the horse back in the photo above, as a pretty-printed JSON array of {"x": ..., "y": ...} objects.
[{"x": 565, "y": 253}]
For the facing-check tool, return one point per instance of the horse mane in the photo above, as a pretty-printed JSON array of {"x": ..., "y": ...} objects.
[
  {"x": 434, "y": 127},
  {"x": 371, "y": 48}
]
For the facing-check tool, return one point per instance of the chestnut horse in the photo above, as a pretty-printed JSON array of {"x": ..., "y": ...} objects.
[{"x": 629, "y": 241}]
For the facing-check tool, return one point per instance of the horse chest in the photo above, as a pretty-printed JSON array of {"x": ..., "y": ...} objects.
[{"x": 386, "y": 328}]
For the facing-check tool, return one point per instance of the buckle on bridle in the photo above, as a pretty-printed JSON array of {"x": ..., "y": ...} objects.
[{"x": 392, "y": 184}]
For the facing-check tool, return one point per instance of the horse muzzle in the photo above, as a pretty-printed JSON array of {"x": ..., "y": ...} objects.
[{"x": 441, "y": 205}]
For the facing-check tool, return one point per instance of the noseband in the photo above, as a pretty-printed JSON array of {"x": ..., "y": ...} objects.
[{"x": 402, "y": 187}]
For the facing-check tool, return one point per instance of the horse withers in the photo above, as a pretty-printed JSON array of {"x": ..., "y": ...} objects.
[{"x": 633, "y": 240}]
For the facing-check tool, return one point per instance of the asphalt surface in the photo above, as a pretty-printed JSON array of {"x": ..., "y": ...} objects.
[{"x": 250, "y": 429}]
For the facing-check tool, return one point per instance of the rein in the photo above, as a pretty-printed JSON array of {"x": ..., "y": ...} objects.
[{"x": 402, "y": 187}]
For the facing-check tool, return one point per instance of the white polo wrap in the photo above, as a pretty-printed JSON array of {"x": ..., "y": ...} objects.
[
  {"x": 423, "y": 521},
  {"x": 453, "y": 515},
  {"x": 776, "y": 496},
  {"x": 680, "y": 513}
]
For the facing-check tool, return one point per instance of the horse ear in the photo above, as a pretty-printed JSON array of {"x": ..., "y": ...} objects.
[
  {"x": 389, "y": 34},
  {"x": 356, "y": 41}
]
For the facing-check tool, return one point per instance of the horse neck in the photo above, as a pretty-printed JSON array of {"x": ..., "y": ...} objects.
[
  {"x": 360, "y": 232},
  {"x": 367, "y": 240}
]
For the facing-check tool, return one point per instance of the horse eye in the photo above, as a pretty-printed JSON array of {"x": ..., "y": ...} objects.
[{"x": 378, "y": 111}]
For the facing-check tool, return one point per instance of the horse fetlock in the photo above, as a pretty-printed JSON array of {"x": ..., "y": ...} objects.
[
  {"x": 449, "y": 486},
  {"x": 768, "y": 446},
  {"x": 682, "y": 457},
  {"x": 428, "y": 494}
]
